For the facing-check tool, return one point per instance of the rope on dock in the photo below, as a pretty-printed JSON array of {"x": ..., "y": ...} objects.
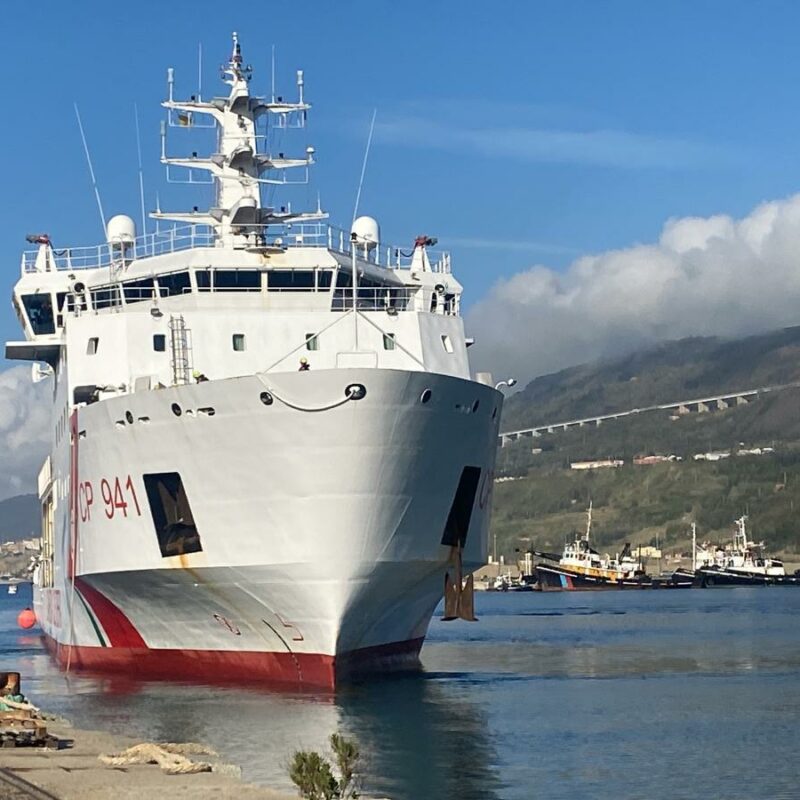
[{"x": 169, "y": 756}]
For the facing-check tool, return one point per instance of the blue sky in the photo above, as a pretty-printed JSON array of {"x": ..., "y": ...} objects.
[{"x": 519, "y": 133}]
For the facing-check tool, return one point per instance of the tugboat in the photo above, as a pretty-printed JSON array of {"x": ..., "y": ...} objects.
[
  {"x": 743, "y": 563},
  {"x": 703, "y": 556},
  {"x": 580, "y": 567}
]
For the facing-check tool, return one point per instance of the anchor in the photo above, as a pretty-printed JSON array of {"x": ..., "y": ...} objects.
[{"x": 459, "y": 598}]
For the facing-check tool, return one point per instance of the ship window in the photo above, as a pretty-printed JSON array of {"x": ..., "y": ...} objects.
[
  {"x": 105, "y": 297},
  {"x": 457, "y": 525},
  {"x": 159, "y": 342},
  {"x": 92, "y": 345},
  {"x": 136, "y": 291},
  {"x": 324, "y": 278},
  {"x": 237, "y": 280},
  {"x": 388, "y": 341},
  {"x": 61, "y": 299},
  {"x": 291, "y": 280},
  {"x": 343, "y": 280},
  {"x": 239, "y": 344},
  {"x": 446, "y": 343},
  {"x": 312, "y": 341},
  {"x": 176, "y": 283},
  {"x": 203, "y": 278},
  {"x": 39, "y": 308},
  {"x": 172, "y": 515}
]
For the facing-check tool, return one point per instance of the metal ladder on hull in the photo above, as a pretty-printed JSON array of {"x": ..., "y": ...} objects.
[{"x": 180, "y": 350}]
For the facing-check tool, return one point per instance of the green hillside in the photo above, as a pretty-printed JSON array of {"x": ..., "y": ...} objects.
[
  {"x": 642, "y": 504},
  {"x": 672, "y": 371}
]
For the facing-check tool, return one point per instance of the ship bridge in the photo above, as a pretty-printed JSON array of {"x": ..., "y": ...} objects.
[{"x": 150, "y": 310}]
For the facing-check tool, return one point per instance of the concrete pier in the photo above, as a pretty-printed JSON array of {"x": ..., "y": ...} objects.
[{"x": 75, "y": 773}]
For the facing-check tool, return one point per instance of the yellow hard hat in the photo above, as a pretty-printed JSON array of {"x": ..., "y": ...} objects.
[
  {"x": 304, "y": 360},
  {"x": 196, "y": 373}
]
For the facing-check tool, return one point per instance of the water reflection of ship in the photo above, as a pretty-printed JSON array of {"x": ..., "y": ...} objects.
[
  {"x": 423, "y": 739},
  {"x": 420, "y": 738}
]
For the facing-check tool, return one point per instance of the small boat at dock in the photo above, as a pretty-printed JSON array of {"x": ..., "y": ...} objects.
[{"x": 581, "y": 567}]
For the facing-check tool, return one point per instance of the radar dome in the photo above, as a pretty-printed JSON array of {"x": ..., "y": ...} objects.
[
  {"x": 121, "y": 229},
  {"x": 367, "y": 232}
]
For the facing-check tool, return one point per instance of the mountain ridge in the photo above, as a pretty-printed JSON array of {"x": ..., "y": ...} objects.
[
  {"x": 671, "y": 371},
  {"x": 19, "y": 517}
]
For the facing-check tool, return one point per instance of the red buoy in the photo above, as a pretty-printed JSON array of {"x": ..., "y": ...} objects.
[{"x": 26, "y": 618}]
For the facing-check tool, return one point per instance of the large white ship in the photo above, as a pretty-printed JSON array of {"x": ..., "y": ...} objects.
[{"x": 267, "y": 448}]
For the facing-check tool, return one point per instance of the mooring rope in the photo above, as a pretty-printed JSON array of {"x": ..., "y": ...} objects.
[
  {"x": 351, "y": 395},
  {"x": 170, "y": 757}
]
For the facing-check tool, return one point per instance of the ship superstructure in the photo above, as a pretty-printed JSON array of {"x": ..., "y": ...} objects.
[{"x": 267, "y": 448}]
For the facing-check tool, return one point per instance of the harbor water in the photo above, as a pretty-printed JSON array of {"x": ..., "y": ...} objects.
[{"x": 656, "y": 694}]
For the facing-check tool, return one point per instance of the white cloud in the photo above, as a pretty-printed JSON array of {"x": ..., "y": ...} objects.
[
  {"x": 705, "y": 276},
  {"x": 24, "y": 430}
]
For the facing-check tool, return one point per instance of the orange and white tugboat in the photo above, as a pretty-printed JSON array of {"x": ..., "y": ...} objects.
[{"x": 581, "y": 567}]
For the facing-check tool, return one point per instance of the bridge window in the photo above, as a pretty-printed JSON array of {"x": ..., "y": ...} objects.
[
  {"x": 237, "y": 280},
  {"x": 61, "y": 299},
  {"x": 175, "y": 283},
  {"x": 159, "y": 342},
  {"x": 446, "y": 343},
  {"x": 203, "y": 278},
  {"x": 239, "y": 344},
  {"x": 136, "y": 291},
  {"x": 324, "y": 278},
  {"x": 343, "y": 280},
  {"x": 105, "y": 297},
  {"x": 312, "y": 341},
  {"x": 39, "y": 308},
  {"x": 92, "y": 345},
  {"x": 298, "y": 280},
  {"x": 388, "y": 341}
]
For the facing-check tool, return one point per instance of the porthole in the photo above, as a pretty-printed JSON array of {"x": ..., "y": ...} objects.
[
  {"x": 425, "y": 396},
  {"x": 356, "y": 391},
  {"x": 475, "y": 406},
  {"x": 266, "y": 398},
  {"x": 129, "y": 417},
  {"x": 176, "y": 409}
]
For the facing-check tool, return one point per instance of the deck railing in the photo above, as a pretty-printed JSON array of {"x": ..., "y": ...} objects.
[
  {"x": 382, "y": 299},
  {"x": 189, "y": 237}
]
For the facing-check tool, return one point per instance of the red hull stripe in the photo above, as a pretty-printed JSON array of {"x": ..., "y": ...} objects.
[
  {"x": 118, "y": 628},
  {"x": 306, "y": 670}
]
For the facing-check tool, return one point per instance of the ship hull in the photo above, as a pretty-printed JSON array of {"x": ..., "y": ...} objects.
[
  {"x": 321, "y": 530},
  {"x": 714, "y": 578},
  {"x": 555, "y": 578}
]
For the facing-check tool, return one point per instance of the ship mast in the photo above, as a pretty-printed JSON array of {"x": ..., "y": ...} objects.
[
  {"x": 237, "y": 167},
  {"x": 588, "y": 521}
]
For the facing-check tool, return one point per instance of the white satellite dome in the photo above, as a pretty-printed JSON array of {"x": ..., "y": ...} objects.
[
  {"x": 121, "y": 229},
  {"x": 367, "y": 232}
]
